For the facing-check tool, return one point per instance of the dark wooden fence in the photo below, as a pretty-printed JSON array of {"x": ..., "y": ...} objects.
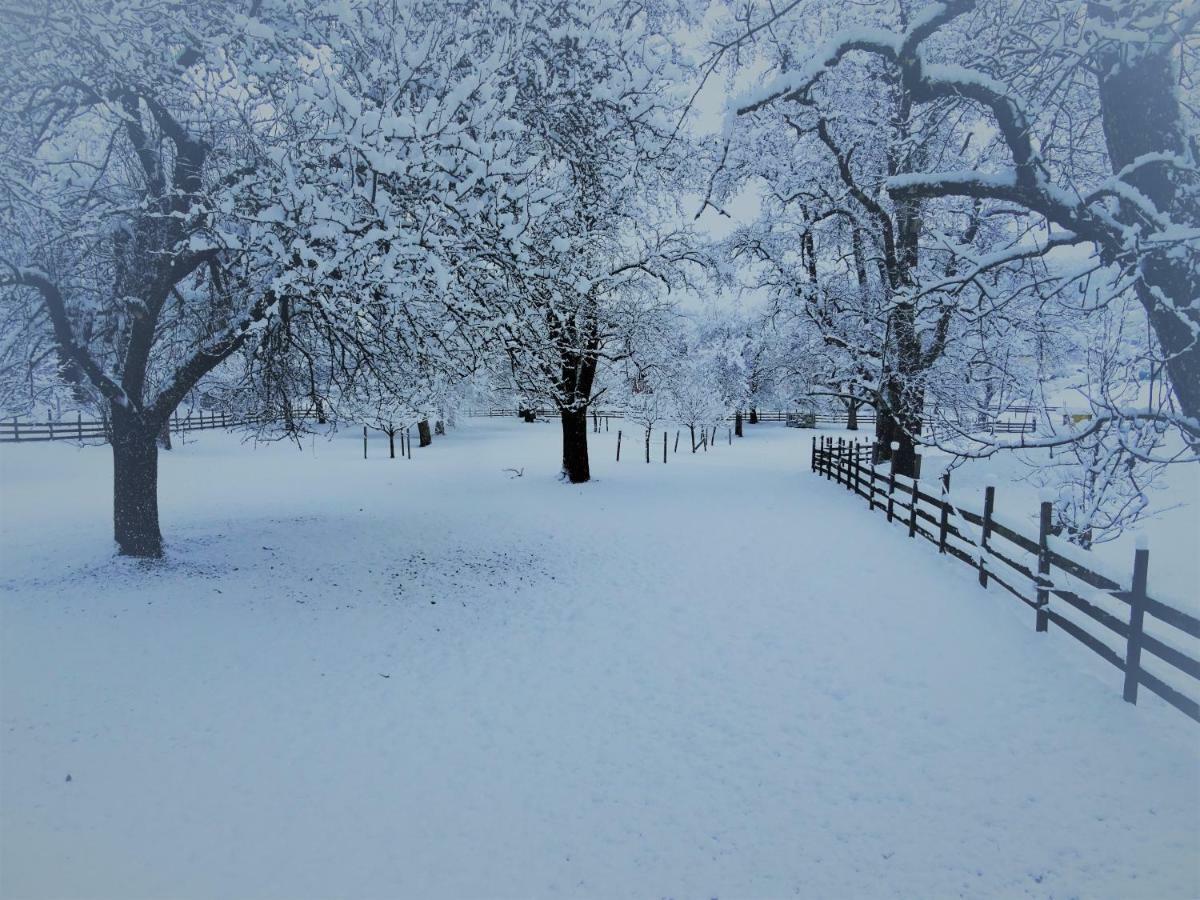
[
  {"x": 1116, "y": 620},
  {"x": 80, "y": 429},
  {"x": 840, "y": 419}
]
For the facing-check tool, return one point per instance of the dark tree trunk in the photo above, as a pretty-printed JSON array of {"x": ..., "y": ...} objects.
[
  {"x": 439, "y": 427},
  {"x": 320, "y": 410},
  {"x": 753, "y": 416},
  {"x": 898, "y": 420},
  {"x": 1141, "y": 115},
  {"x": 135, "y": 486},
  {"x": 575, "y": 450},
  {"x": 692, "y": 432},
  {"x": 852, "y": 415},
  {"x": 392, "y": 443},
  {"x": 164, "y": 435},
  {"x": 737, "y": 423},
  {"x": 426, "y": 438}
]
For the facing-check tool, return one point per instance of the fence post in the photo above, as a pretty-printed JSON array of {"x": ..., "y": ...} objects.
[
  {"x": 891, "y": 504},
  {"x": 840, "y": 444},
  {"x": 812, "y": 459},
  {"x": 79, "y": 424},
  {"x": 869, "y": 453},
  {"x": 618, "y": 445},
  {"x": 676, "y": 450},
  {"x": 1137, "y": 607},
  {"x": 1043, "y": 564},
  {"x": 729, "y": 434},
  {"x": 944, "y": 524},
  {"x": 364, "y": 442},
  {"x": 989, "y": 506},
  {"x": 912, "y": 507},
  {"x": 828, "y": 459},
  {"x": 408, "y": 442},
  {"x": 16, "y": 429},
  {"x": 664, "y": 447}
]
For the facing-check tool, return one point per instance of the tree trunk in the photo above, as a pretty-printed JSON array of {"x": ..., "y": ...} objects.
[
  {"x": 439, "y": 427},
  {"x": 737, "y": 423},
  {"x": 898, "y": 419},
  {"x": 135, "y": 486},
  {"x": 753, "y": 416},
  {"x": 692, "y": 432},
  {"x": 852, "y": 415},
  {"x": 164, "y": 435},
  {"x": 575, "y": 450},
  {"x": 1141, "y": 115},
  {"x": 392, "y": 443},
  {"x": 423, "y": 431}
]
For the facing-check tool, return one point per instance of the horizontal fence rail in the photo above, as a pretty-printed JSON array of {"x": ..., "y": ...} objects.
[{"x": 1155, "y": 644}]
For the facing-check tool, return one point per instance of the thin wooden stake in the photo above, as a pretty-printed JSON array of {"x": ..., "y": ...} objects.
[
  {"x": 618, "y": 445},
  {"x": 364, "y": 442}
]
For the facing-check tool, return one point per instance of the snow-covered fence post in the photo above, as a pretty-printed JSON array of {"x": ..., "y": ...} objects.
[
  {"x": 912, "y": 507},
  {"x": 891, "y": 504},
  {"x": 1137, "y": 608},
  {"x": 944, "y": 523},
  {"x": 869, "y": 453},
  {"x": 840, "y": 447},
  {"x": 1043, "y": 566},
  {"x": 664, "y": 447},
  {"x": 364, "y": 442},
  {"x": 618, "y": 445},
  {"x": 648, "y": 446},
  {"x": 812, "y": 458},
  {"x": 989, "y": 507},
  {"x": 79, "y": 425},
  {"x": 50, "y": 425}
]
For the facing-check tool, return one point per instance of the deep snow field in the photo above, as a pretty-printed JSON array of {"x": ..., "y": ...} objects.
[{"x": 722, "y": 677}]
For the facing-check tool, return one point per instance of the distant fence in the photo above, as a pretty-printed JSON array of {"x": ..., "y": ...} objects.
[
  {"x": 994, "y": 426},
  {"x": 15, "y": 429},
  {"x": 1045, "y": 572}
]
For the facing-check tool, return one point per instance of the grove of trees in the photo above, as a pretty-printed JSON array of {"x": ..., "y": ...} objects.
[{"x": 367, "y": 209}]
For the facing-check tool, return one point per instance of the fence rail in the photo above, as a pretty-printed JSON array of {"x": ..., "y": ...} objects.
[{"x": 1122, "y": 625}]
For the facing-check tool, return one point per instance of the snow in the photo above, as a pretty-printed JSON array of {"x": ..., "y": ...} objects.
[{"x": 719, "y": 677}]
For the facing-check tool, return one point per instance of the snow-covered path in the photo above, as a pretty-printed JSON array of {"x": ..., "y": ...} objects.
[{"x": 717, "y": 678}]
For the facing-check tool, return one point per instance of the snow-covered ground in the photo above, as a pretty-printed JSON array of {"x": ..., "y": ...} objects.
[{"x": 722, "y": 677}]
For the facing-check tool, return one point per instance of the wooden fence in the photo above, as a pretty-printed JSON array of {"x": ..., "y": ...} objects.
[
  {"x": 80, "y": 429},
  {"x": 1122, "y": 625},
  {"x": 994, "y": 426}
]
